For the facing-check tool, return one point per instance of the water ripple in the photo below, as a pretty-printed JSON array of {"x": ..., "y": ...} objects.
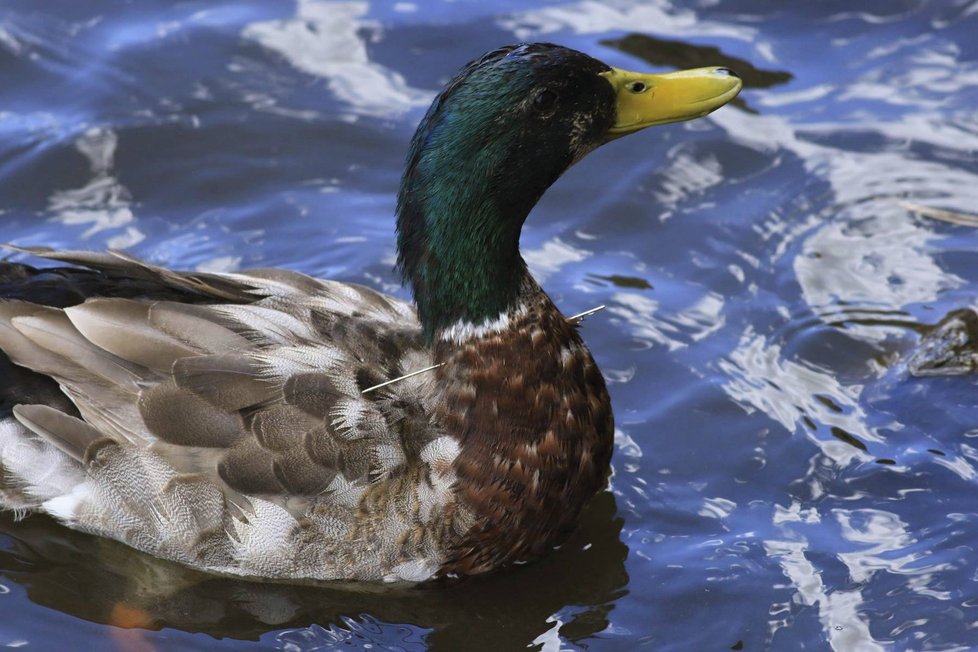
[{"x": 765, "y": 280}]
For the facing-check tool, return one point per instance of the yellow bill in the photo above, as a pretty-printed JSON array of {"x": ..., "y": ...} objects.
[{"x": 647, "y": 100}]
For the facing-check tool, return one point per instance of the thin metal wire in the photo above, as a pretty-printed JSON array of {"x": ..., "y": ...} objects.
[
  {"x": 587, "y": 313},
  {"x": 400, "y": 378}
]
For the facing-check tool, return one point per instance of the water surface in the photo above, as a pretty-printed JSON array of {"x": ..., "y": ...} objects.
[{"x": 780, "y": 482}]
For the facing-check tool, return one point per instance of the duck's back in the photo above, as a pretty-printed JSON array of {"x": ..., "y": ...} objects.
[{"x": 219, "y": 420}]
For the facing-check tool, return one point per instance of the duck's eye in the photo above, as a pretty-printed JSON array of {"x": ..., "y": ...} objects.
[
  {"x": 545, "y": 101},
  {"x": 638, "y": 87}
]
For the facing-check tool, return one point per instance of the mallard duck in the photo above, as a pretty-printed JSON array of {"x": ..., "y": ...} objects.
[{"x": 221, "y": 420}]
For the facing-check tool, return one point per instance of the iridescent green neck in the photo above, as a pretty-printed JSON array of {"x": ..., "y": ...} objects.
[
  {"x": 458, "y": 240},
  {"x": 466, "y": 191}
]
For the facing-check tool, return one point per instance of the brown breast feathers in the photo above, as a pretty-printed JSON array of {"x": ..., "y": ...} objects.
[{"x": 532, "y": 414}]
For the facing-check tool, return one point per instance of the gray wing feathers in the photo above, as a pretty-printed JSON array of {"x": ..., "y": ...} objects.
[
  {"x": 68, "y": 434},
  {"x": 43, "y": 339},
  {"x": 197, "y": 326},
  {"x": 123, "y": 328},
  {"x": 221, "y": 435},
  {"x": 271, "y": 388},
  {"x": 230, "y": 381}
]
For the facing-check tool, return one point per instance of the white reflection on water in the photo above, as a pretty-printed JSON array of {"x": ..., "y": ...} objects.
[
  {"x": 703, "y": 318},
  {"x": 327, "y": 39},
  {"x": 675, "y": 331},
  {"x": 884, "y": 532},
  {"x": 795, "y": 513},
  {"x": 876, "y": 264},
  {"x": 838, "y": 611},
  {"x": 787, "y": 392},
  {"x": 960, "y": 466},
  {"x": 551, "y": 256},
  {"x": 929, "y": 75},
  {"x": 685, "y": 176},
  {"x": 718, "y": 508},
  {"x": 103, "y": 203},
  {"x": 9, "y": 42},
  {"x": 592, "y": 17},
  {"x": 551, "y": 640},
  {"x": 877, "y": 540},
  {"x": 785, "y": 98},
  {"x": 639, "y": 312},
  {"x": 221, "y": 264}
]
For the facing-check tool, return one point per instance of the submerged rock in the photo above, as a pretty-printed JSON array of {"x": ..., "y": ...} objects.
[{"x": 950, "y": 348}]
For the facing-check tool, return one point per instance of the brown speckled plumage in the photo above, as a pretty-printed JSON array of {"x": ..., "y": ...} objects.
[{"x": 531, "y": 411}]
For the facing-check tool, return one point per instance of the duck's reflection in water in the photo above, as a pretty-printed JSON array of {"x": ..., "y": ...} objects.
[{"x": 576, "y": 586}]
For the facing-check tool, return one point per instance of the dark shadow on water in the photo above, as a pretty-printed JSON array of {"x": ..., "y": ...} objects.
[
  {"x": 86, "y": 577},
  {"x": 678, "y": 54},
  {"x": 621, "y": 281}
]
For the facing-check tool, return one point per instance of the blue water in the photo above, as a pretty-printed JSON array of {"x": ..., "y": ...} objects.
[{"x": 780, "y": 482}]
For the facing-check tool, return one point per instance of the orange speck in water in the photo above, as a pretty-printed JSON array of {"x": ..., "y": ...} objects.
[{"x": 127, "y": 622}]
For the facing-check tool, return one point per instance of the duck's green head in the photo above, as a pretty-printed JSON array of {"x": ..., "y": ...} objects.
[{"x": 503, "y": 130}]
